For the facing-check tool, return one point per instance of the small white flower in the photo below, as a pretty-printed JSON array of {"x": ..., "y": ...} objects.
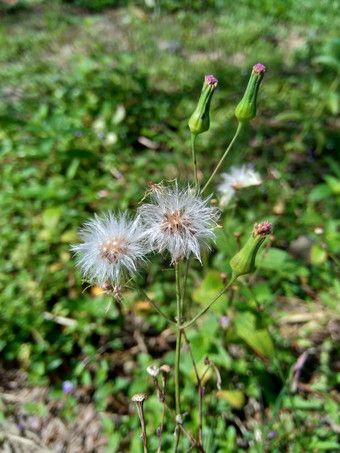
[
  {"x": 178, "y": 221},
  {"x": 112, "y": 249},
  {"x": 237, "y": 178}
]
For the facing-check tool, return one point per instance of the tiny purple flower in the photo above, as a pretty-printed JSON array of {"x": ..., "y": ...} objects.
[
  {"x": 271, "y": 435},
  {"x": 224, "y": 322},
  {"x": 67, "y": 387}
]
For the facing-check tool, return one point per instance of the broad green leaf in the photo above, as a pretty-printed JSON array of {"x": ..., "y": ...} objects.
[
  {"x": 333, "y": 183},
  {"x": 318, "y": 254},
  {"x": 320, "y": 192},
  {"x": 282, "y": 262},
  {"x": 257, "y": 339},
  {"x": 234, "y": 397},
  {"x": 209, "y": 288}
]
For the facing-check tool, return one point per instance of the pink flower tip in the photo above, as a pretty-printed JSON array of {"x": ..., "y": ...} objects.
[
  {"x": 259, "y": 68},
  {"x": 263, "y": 228},
  {"x": 211, "y": 80}
]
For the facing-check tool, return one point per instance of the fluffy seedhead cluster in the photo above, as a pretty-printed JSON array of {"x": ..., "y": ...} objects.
[
  {"x": 237, "y": 178},
  {"x": 112, "y": 249},
  {"x": 180, "y": 221}
]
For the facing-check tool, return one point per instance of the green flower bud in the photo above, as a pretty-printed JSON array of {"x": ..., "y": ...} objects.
[
  {"x": 246, "y": 109},
  {"x": 199, "y": 121},
  {"x": 244, "y": 261}
]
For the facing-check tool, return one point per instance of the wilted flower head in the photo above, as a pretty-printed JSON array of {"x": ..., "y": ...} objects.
[
  {"x": 237, "y": 178},
  {"x": 178, "y": 221},
  {"x": 112, "y": 249}
]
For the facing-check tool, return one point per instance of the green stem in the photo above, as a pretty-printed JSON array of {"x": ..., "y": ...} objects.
[
  {"x": 178, "y": 340},
  {"x": 205, "y": 309},
  {"x": 239, "y": 127},
  {"x": 194, "y": 162},
  {"x": 154, "y": 305},
  {"x": 178, "y": 348},
  {"x": 184, "y": 287}
]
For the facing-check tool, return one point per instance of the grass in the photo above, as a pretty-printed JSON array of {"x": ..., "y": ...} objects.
[{"x": 94, "y": 105}]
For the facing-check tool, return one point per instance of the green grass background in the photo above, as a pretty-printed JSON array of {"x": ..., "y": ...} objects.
[{"x": 94, "y": 103}]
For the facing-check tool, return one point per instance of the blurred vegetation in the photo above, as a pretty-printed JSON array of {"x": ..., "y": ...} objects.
[{"x": 94, "y": 102}]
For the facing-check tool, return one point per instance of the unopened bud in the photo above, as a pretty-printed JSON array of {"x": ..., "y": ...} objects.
[
  {"x": 246, "y": 109},
  {"x": 199, "y": 121},
  {"x": 244, "y": 261}
]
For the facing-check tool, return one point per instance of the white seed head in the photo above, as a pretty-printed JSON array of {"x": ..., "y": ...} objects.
[
  {"x": 153, "y": 370},
  {"x": 112, "y": 249},
  {"x": 178, "y": 221},
  {"x": 165, "y": 368},
  {"x": 237, "y": 178},
  {"x": 139, "y": 397}
]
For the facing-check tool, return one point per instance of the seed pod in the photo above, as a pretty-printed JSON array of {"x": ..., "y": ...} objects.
[
  {"x": 199, "y": 121},
  {"x": 246, "y": 109}
]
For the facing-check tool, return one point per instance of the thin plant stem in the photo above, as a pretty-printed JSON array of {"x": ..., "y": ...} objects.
[
  {"x": 155, "y": 306},
  {"x": 184, "y": 431},
  {"x": 161, "y": 429},
  {"x": 178, "y": 347},
  {"x": 194, "y": 162},
  {"x": 162, "y": 394},
  {"x": 200, "y": 390},
  {"x": 205, "y": 309},
  {"x": 142, "y": 422},
  {"x": 184, "y": 287},
  {"x": 239, "y": 127}
]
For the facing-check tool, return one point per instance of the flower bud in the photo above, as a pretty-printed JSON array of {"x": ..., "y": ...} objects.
[
  {"x": 199, "y": 121},
  {"x": 244, "y": 261},
  {"x": 246, "y": 109}
]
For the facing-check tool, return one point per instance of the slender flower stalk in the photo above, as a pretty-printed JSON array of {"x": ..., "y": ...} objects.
[
  {"x": 139, "y": 399},
  {"x": 178, "y": 341},
  {"x": 194, "y": 162},
  {"x": 206, "y": 308},
  {"x": 238, "y": 130},
  {"x": 155, "y": 306}
]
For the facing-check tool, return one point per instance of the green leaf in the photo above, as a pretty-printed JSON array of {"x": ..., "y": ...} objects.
[
  {"x": 257, "y": 338},
  {"x": 51, "y": 217},
  {"x": 290, "y": 115},
  {"x": 234, "y": 397},
  {"x": 325, "y": 445},
  {"x": 209, "y": 288},
  {"x": 39, "y": 409},
  {"x": 282, "y": 262},
  {"x": 333, "y": 183},
  {"x": 318, "y": 255},
  {"x": 320, "y": 192}
]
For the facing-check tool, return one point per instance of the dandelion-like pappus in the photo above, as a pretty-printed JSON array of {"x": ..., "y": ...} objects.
[
  {"x": 112, "y": 249},
  {"x": 179, "y": 221}
]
